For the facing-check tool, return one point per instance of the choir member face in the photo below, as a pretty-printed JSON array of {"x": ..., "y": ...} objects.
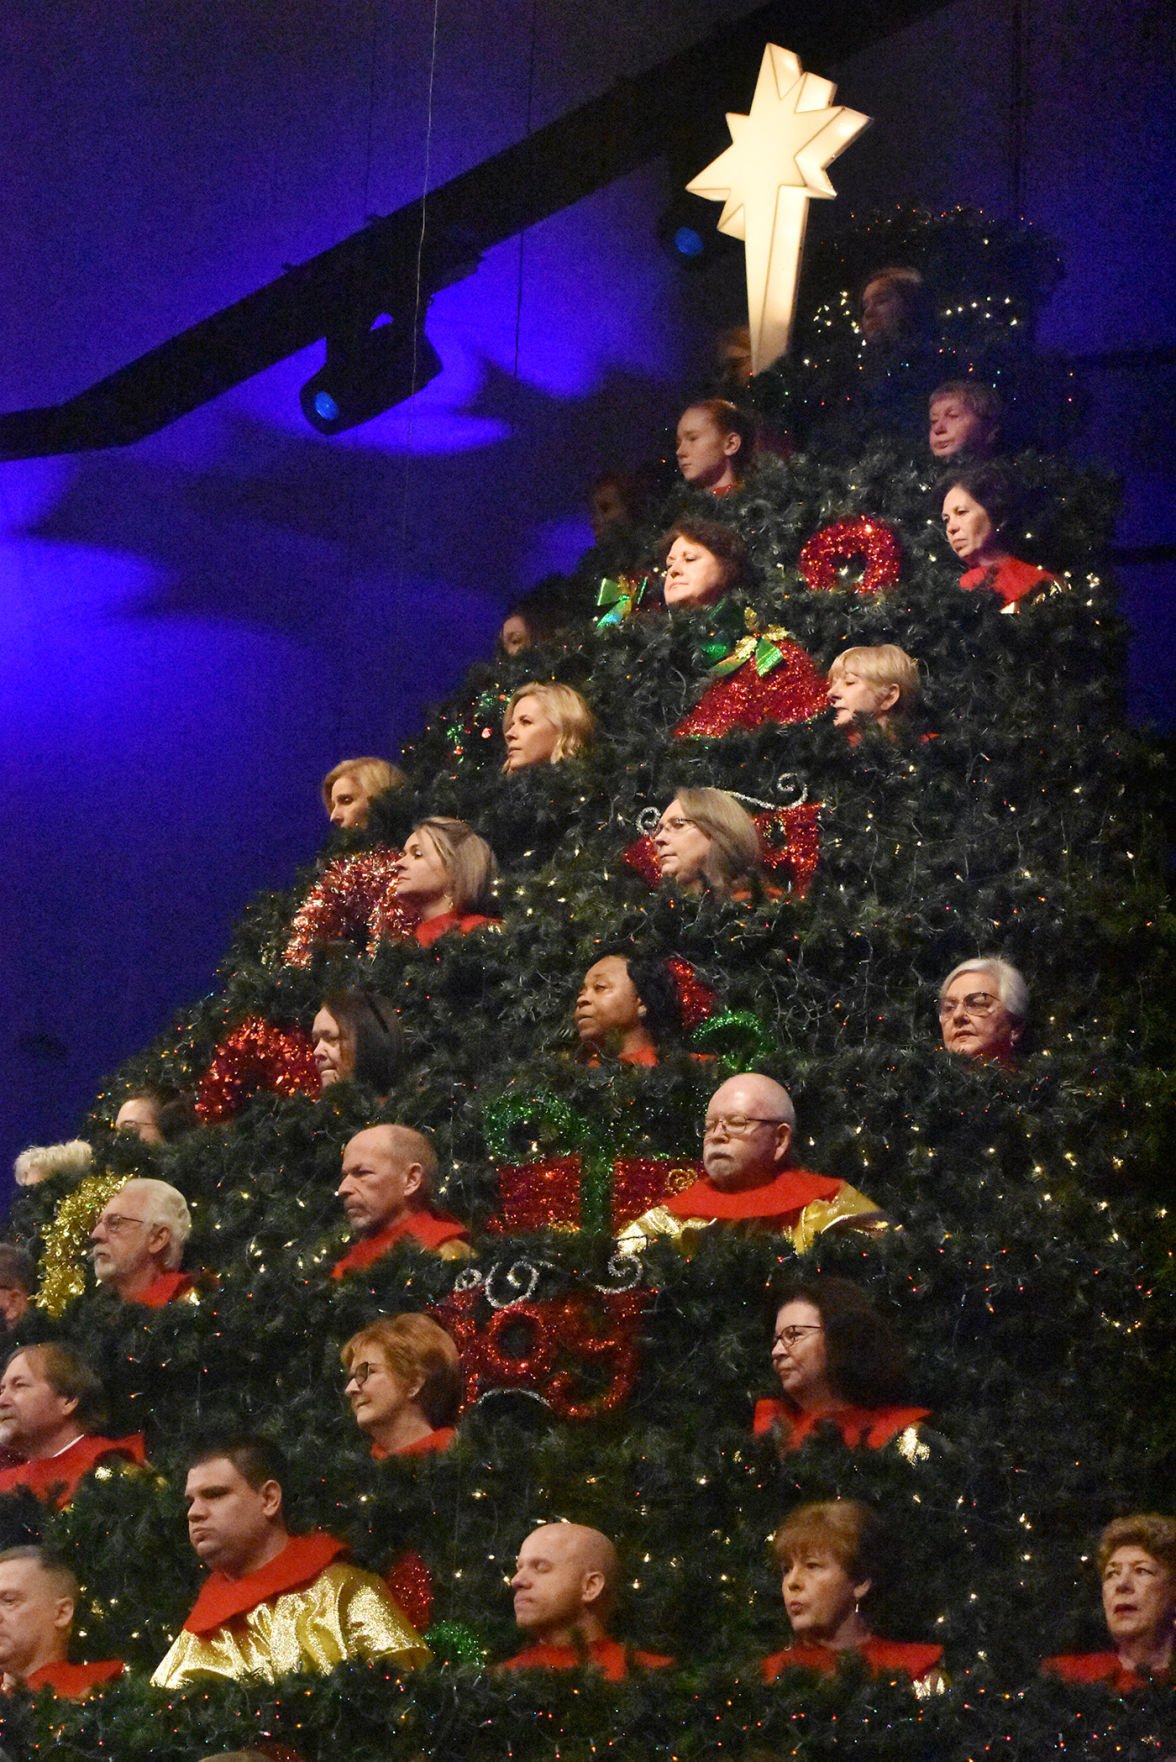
[
  {"x": 970, "y": 532},
  {"x": 705, "y": 451},
  {"x": 35, "y": 1617},
  {"x": 608, "y": 509},
  {"x": 514, "y": 635},
  {"x": 820, "y": 1596},
  {"x": 974, "y": 1020},
  {"x": 745, "y": 1142},
  {"x": 334, "y": 1048},
  {"x": 608, "y": 1002},
  {"x": 957, "y": 429},
  {"x": 380, "y": 1176},
  {"x": 230, "y": 1523},
  {"x": 1139, "y": 1597},
  {"x": 681, "y": 846},
  {"x": 378, "y": 1394},
  {"x": 531, "y": 735},
  {"x": 550, "y": 1581},
  {"x": 349, "y": 802},
  {"x": 138, "y": 1115},
  {"x": 421, "y": 877},
  {"x": 124, "y": 1239},
  {"x": 14, "y": 1300},
  {"x": 883, "y": 311},
  {"x": 799, "y": 1358},
  {"x": 851, "y": 695},
  {"x": 33, "y": 1416},
  {"x": 694, "y": 575}
]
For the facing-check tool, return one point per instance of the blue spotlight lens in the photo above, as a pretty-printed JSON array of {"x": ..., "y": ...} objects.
[
  {"x": 326, "y": 407},
  {"x": 687, "y": 242}
]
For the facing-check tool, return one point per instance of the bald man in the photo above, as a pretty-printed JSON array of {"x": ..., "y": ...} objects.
[
  {"x": 138, "y": 1242},
  {"x": 565, "y": 1585},
  {"x": 38, "y": 1599},
  {"x": 750, "y": 1179},
  {"x": 387, "y": 1186}
]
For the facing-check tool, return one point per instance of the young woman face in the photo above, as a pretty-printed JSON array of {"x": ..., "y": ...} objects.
[
  {"x": 705, "y": 453},
  {"x": 970, "y": 532},
  {"x": 530, "y": 734},
  {"x": 694, "y": 575},
  {"x": 421, "y": 876}
]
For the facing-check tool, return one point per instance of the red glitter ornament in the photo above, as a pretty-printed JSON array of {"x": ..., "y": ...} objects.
[
  {"x": 696, "y": 1000},
  {"x": 776, "y": 682},
  {"x": 256, "y": 1056},
  {"x": 411, "y": 1583},
  {"x": 859, "y": 538},
  {"x": 352, "y": 901},
  {"x": 546, "y": 1195}
]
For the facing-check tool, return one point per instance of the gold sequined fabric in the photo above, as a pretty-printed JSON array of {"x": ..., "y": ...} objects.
[
  {"x": 847, "y": 1207},
  {"x": 345, "y": 1613}
]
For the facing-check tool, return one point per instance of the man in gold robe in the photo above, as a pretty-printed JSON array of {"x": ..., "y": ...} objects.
[
  {"x": 750, "y": 1180},
  {"x": 273, "y": 1603}
]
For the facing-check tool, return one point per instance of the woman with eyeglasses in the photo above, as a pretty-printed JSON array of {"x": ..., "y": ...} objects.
[
  {"x": 706, "y": 841},
  {"x": 983, "y": 1009},
  {"x": 403, "y": 1385},
  {"x": 840, "y": 1363}
]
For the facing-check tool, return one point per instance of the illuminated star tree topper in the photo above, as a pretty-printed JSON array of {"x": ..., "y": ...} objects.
[{"x": 765, "y": 179}]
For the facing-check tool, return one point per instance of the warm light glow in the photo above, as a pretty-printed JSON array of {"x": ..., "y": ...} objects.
[{"x": 765, "y": 178}]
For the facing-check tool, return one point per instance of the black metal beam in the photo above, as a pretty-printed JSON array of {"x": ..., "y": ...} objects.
[{"x": 375, "y": 270}]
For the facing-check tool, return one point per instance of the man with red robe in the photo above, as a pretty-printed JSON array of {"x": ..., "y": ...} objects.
[
  {"x": 273, "y": 1603},
  {"x": 138, "y": 1242},
  {"x": 750, "y": 1180},
  {"x": 564, "y": 1586},
  {"x": 388, "y": 1177},
  {"x": 38, "y": 1598},
  {"x": 51, "y": 1405}
]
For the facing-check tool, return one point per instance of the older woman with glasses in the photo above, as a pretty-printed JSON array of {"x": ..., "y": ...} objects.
[
  {"x": 840, "y": 1365},
  {"x": 403, "y": 1385},
  {"x": 706, "y": 841},
  {"x": 983, "y": 1009}
]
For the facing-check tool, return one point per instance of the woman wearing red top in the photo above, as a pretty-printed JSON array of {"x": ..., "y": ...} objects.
[
  {"x": 446, "y": 877},
  {"x": 831, "y": 1556},
  {"x": 627, "y": 1009},
  {"x": 839, "y": 1362},
  {"x": 1137, "y": 1566},
  {"x": 977, "y": 515},
  {"x": 403, "y": 1384}
]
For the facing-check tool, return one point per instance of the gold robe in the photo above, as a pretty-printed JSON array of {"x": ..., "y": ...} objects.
[
  {"x": 753, "y": 1210},
  {"x": 343, "y": 1613}
]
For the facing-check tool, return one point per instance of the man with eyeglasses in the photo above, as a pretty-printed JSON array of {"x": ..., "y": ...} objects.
[
  {"x": 51, "y": 1405},
  {"x": 273, "y": 1603},
  {"x": 750, "y": 1181},
  {"x": 138, "y": 1242}
]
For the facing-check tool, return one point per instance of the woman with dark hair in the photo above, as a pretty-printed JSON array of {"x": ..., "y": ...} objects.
[
  {"x": 831, "y": 1556},
  {"x": 445, "y": 877},
  {"x": 838, "y": 1360},
  {"x": 978, "y": 507},
  {"x": 895, "y": 307},
  {"x": 627, "y": 1009},
  {"x": 715, "y": 444},
  {"x": 704, "y": 560},
  {"x": 358, "y": 1038}
]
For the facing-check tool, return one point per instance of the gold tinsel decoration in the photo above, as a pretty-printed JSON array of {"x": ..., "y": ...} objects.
[{"x": 67, "y": 1241}]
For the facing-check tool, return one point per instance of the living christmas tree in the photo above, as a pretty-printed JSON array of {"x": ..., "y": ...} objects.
[{"x": 1027, "y": 1267}]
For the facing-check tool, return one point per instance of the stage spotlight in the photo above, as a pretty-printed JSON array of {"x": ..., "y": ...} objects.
[
  {"x": 365, "y": 373},
  {"x": 686, "y": 232}
]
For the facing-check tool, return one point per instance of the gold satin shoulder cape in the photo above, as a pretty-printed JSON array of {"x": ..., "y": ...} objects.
[
  {"x": 344, "y": 1613},
  {"x": 847, "y": 1208}
]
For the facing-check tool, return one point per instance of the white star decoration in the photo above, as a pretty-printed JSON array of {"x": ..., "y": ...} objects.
[{"x": 765, "y": 179}]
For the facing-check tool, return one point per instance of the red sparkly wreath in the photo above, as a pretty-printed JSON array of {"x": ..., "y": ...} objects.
[
  {"x": 256, "y": 1056},
  {"x": 859, "y": 538},
  {"x": 352, "y": 901}
]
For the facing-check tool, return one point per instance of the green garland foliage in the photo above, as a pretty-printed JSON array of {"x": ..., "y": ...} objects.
[{"x": 1029, "y": 1277}]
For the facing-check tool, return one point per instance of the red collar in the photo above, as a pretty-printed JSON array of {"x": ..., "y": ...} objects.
[
  {"x": 1105, "y": 1667},
  {"x": 42, "y": 1474},
  {"x": 873, "y": 1427},
  {"x": 789, "y": 1192},
  {"x": 429, "y": 930},
  {"x": 884, "y": 1657},
  {"x": 165, "y": 1289},
  {"x": 429, "y": 1228},
  {"x": 73, "y": 1681},
  {"x": 222, "y": 1599},
  {"x": 441, "y": 1439},
  {"x": 609, "y": 1656}
]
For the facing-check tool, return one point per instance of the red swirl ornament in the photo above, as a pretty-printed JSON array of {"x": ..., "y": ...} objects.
[
  {"x": 352, "y": 901},
  {"x": 858, "y": 539},
  {"x": 791, "y": 690},
  {"x": 256, "y": 1056}
]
